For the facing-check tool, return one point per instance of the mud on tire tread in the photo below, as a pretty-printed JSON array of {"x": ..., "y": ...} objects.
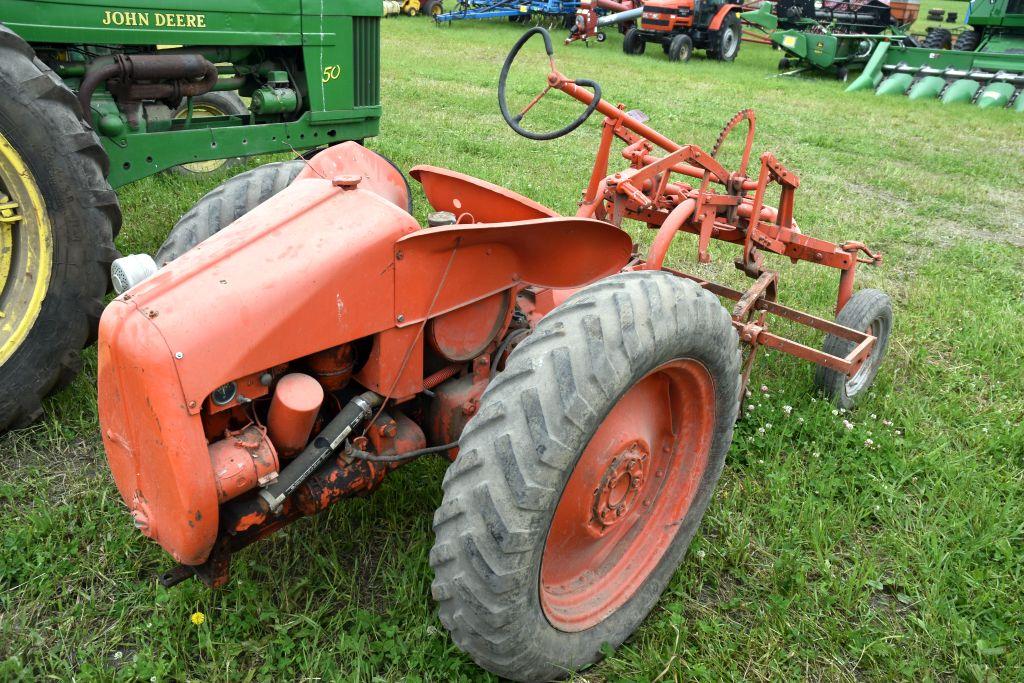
[
  {"x": 225, "y": 204},
  {"x": 518, "y": 451},
  {"x": 45, "y": 122}
]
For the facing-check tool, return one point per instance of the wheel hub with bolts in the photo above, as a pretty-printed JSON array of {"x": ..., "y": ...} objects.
[
  {"x": 620, "y": 486},
  {"x": 25, "y": 250},
  {"x": 627, "y": 494}
]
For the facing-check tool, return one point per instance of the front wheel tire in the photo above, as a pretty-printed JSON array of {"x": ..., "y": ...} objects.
[
  {"x": 213, "y": 103},
  {"x": 633, "y": 43},
  {"x": 680, "y": 49},
  {"x": 585, "y": 474},
  {"x": 871, "y": 311}
]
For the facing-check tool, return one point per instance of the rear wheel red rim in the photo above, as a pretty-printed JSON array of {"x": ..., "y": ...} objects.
[{"x": 627, "y": 496}]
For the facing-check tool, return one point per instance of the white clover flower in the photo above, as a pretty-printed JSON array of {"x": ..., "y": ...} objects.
[
  {"x": 764, "y": 388},
  {"x": 787, "y": 409},
  {"x": 800, "y": 419},
  {"x": 887, "y": 423},
  {"x": 848, "y": 424},
  {"x": 835, "y": 412},
  {"x": 869, "y": 442},
  {"x": 873, "y": 416},
  {"x": 760, "y": 430},
  {"x": 767, "y": 425}
]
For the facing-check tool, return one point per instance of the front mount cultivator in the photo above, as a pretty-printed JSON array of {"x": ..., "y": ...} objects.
[{"x": 585, "y": 395}]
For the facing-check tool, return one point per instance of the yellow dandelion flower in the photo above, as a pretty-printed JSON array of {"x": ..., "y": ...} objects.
[{"x": 198, "y": 618}]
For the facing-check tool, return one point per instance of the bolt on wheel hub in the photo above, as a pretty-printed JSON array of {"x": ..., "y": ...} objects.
[{"x": 620, "y": 486}]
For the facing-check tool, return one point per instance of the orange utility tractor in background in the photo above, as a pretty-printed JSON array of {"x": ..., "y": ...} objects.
[
  {"x": 584, "y": 393},
  {"x": 680, "y": 26}
]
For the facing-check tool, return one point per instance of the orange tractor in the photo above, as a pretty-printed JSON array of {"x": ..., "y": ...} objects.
[
  {"x": 680, "y": 26},
  {"x": 585, "y": 395}
]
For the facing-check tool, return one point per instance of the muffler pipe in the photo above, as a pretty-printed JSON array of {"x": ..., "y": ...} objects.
[{"x": 323, "y": 447}]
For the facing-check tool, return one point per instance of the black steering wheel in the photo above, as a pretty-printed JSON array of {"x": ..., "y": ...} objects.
[{"x": 513, "y": 121}]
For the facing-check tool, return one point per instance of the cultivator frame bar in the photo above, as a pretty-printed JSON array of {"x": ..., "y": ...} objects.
[{"x": 646, "y": 192}]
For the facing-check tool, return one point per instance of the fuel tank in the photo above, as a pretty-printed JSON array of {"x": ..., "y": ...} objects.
[{"x": 311, "y": 268}]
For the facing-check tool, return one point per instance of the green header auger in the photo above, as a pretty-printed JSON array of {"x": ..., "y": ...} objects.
[
  {"x": 984, "y": 67},
  {"x": 97, "y": 96}
]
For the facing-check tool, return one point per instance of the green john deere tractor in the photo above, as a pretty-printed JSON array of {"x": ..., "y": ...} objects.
[
  {"x": 97, "y": 96},
  {"x": 984, "y": 67}
]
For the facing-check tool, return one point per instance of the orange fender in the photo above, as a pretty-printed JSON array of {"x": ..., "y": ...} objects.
[
  {"x": 476, "y": 200},
  {"x": 716, "y": 21}
]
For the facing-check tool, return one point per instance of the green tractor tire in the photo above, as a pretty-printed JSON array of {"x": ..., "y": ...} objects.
[
  {"x": 938, "y": 39},
  {"x": 213, "y": 103},
  {"x": 58, "y": 217}
]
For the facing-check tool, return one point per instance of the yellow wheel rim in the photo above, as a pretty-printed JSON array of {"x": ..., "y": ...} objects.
[
  {"x": 202, "y": 110},
  {"x": 26, "y": 250}
]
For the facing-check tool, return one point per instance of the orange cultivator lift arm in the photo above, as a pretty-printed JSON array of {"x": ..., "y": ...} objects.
[{"x": 682, "y": 188}]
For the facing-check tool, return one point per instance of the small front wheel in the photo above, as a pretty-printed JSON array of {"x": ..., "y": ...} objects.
[
  {"x": 633, "y": 43},
  {"x": 680, "y": 49},
  {"x": 601, "y": 37},
  {"x": 871, "y": 311},
  {"x": 584, "y": 475}
]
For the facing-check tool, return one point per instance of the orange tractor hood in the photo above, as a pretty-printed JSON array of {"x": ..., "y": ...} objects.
[
  {"x": 308, "y": 269},
  {"x": 329, "y": 260}
]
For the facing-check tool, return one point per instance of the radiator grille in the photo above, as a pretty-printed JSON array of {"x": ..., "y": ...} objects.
[{"x": 366, "y": 60}]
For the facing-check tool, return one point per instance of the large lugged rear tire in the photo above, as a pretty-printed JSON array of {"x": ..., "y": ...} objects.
[
  {"x": 938, "y": 39},
  {"x": 226, "y": 203},
  {"x": 726, "y": 41},
  {"x": 554, "y": 536},
  {"x": 58, "y": 218}
]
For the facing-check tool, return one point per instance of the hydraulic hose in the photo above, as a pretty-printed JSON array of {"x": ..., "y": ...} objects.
[
  {"x": 401, "y": 457},
  {"x": 323, "y": 447}
]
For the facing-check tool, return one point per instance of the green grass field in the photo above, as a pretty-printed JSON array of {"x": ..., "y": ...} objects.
[{"x": 893, "y": 549}]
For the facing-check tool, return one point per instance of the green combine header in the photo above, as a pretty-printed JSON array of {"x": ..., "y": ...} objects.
[{"x": 985, "y": 66}]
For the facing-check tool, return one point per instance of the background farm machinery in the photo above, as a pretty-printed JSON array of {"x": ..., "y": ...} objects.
[
  {"x": 553, "y": 12},
  {"x": 834, "y": 35},
  {"x": 585, "y": 394},
  {"x": 680, "y": 26},
  {"x": 984, "y": 67}
]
